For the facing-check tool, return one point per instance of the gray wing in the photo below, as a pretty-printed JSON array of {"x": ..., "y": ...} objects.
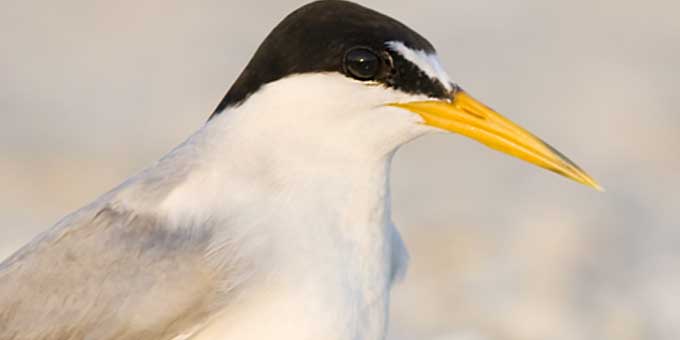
[{"x": 108, "y": 274}]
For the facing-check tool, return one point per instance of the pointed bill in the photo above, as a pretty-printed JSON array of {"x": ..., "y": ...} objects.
[{"x": 467, "y": 116}]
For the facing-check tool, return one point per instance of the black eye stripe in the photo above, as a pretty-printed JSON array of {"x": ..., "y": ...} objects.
[
  {"x": 408, "y": 77},
  {"x": 393, "y": 70}
]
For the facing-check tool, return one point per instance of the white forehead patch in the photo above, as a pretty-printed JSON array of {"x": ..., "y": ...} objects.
[{"x": 428, "y": 63}]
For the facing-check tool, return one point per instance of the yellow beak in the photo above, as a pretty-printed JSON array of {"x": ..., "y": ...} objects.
[{"x": 466, "y": 116}]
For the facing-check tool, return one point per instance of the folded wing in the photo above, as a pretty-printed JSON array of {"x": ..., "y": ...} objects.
[{"x": 107, "y": 273}]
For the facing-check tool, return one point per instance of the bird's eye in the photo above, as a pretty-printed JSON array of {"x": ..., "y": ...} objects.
[{"x": 362, "y": 64}]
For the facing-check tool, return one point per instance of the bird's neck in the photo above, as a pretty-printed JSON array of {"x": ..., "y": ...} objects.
[
  {"x": 316, "y": 220},
  {"x": 308, "y": 199}
]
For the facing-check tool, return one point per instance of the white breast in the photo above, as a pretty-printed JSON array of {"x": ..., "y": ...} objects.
[
  {"x": 305, "y": 205},
  {"x": 323, "y": 272}
]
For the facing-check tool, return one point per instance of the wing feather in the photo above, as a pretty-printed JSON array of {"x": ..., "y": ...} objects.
[{"x": 110, "y": 274}]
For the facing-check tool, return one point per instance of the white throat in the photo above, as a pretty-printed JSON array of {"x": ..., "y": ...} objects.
[{"x": 298, "y": 176}]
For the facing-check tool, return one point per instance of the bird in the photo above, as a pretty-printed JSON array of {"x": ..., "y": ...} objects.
[{"x": 272, "y": 220}]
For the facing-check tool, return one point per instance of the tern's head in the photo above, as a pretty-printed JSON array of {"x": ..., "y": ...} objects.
[{"x": 334, "y": 74}]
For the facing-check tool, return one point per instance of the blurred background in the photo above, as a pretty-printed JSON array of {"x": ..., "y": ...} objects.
[{"x": 93, "y": 91}]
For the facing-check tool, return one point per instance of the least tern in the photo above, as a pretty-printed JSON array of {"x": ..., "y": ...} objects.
[{"x": 272, "y": 221}]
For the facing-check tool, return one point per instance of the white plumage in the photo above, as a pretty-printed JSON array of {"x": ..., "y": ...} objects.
[
  {"x": 318, "y": 228},
  {"x": 287, "y": 198}
]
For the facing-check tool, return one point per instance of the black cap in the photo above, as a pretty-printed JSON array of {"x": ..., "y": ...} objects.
[{"x": 320, "y": 36}]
